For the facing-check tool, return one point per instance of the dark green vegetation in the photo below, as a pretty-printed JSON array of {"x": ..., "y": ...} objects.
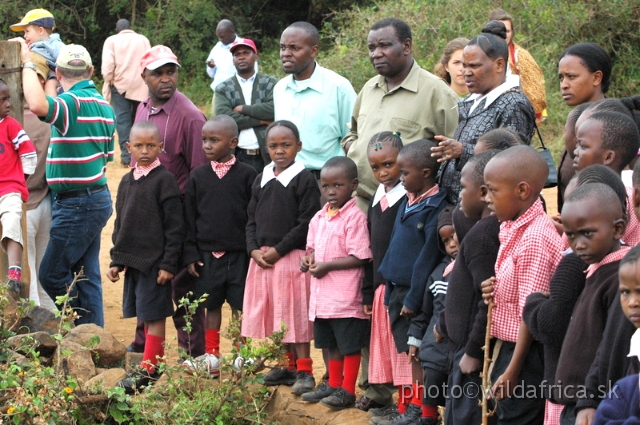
[{"x": 544, "y": 27}]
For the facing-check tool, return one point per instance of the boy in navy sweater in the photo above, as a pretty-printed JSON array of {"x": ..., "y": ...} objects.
[
  {"x": 147, "y": 241},
  {"x": 413, "y": 252},
  {"x": 215, "y": 251}
]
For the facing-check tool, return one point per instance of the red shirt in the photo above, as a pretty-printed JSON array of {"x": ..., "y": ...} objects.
[
  {"x": 15, "y": 145},
  {"x": 609, "y": 258},
  {"x": 530, "y": 250}
]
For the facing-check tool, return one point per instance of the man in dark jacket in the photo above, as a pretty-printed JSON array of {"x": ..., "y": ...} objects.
[{"x": 247, "y": 97}]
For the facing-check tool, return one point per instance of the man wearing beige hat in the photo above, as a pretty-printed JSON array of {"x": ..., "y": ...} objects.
[{"x": 82, "y": 137}]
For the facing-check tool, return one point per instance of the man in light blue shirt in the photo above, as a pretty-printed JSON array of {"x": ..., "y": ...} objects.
[{"x": 317, "y": 100}]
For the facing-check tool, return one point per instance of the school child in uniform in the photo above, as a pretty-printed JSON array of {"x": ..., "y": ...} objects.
[
  {"x": 18, "y": 159},
  {"x": 433, "y": 354},
  {"x": 215, "y": 248},
  {"x": 594, "y": 222},
  {"x": 548, "y": 315},
  {"x": 612, "y": 139},
  {"x": 413, "y": 252},
  {"x": 622, "y": 404},
  {"x": 147, "y": 244},
  {"x": 530, "y": 250},
  {"x": 386, "y": 365},
  {"x": 464, "y": 320},
  {"x": 338, "y": 248},
  {"x": 611, "y": 362},
  {"x": 284, "y": 199}
]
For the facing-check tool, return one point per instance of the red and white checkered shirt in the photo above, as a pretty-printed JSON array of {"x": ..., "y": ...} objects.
[
  {"x": 449, "y": 268},
  {"x": 609, "y": 258},
  {"x": 139, "y": 171},
  {"x": 222, "y": 168},
  {"x": 339, "y": 293},
  {"x": 413, "y": 200},
  {"x": 632, "y": 233},
  {"x": 530, "y": 250}
]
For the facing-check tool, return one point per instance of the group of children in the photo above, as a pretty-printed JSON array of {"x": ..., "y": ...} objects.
[{"x": 406, "y": 280}]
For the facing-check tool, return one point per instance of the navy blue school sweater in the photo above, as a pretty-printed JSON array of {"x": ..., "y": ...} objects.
[{"x": 413, "y": 252}]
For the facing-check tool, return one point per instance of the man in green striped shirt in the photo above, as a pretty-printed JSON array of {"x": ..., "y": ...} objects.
[{"x": 82, "y": 131}]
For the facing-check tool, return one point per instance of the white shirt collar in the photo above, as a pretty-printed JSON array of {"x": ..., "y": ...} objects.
[
  {"x": 248, "y": 80},
  {"x": 393, "y": 196},
  {"x": 285, "y": 177},
  {"x": 491, "y": 96}
]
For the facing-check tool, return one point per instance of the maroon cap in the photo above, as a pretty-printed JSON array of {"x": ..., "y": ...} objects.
[{"x": 244, "y": 42}]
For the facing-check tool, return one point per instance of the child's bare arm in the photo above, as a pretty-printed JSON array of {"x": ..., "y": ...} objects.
[
  {"x": 504, "y": 386},
  {"x": 164, "y": 277},
  {"x": 191, "y": 268},
  {"x": 487, "y": 289},
  {"x": 271, "y": 256},
  {"x": 319, "y": 270},
  {"x": 257, "y": 254},
  {"x": 114, "y": 273}
]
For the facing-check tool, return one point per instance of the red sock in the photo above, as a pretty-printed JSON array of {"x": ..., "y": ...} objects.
[
  {"x": 212, "y": 341},
  {"x": 336, "y": 369},
  {"x": 351, "y": 369},
  {"x": 404, "y": 397},
  {"x": 305, "y": 365},
  {"x": 152, "y": 349},
  {"x": 429, "y": 411},
  {"x": 292, "y": 360},
  {"x": 417, "y": 395}
]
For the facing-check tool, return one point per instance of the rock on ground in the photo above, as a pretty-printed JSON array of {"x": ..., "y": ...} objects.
[
  {"x": 78, "y": 364},
  {"x": 287, "y": 409},
  {"x": 104, "y": 381},
  {"x": 107, "y": 352}
]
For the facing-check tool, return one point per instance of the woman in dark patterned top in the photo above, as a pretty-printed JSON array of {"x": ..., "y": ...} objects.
[{"x": 494, "y": 102}]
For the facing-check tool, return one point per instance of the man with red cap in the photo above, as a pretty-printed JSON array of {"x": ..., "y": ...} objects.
[
  {"x": 247, "y": 97},
  {"x": 180, "y": 123}
]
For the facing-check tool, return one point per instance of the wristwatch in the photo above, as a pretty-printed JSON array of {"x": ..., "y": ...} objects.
[{"x": 30, "y": 65}]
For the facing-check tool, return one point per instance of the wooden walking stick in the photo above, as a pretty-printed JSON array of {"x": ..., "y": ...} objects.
[{"x": 486, "y": 379}]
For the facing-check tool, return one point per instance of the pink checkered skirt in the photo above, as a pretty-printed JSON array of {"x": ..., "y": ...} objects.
[
  {"x": 385, "y": 363},
  {"x": 552, "y": 413},
  {"x": 278, "y": 295}
]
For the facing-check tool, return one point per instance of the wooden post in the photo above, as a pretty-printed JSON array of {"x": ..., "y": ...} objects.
[{"x": 11, "y": 73}]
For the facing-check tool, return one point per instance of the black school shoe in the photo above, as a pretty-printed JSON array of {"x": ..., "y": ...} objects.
[
  {"x": 322, "y": 390},
  {"x": 305, "y": 383},
  {"x": 340, "y": 399},
  {"x": 137, "y": 380},
  {"x": 280, "y": 376}
]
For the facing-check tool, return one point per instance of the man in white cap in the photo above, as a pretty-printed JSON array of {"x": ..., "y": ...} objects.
[
  {"x": 180, "y": 124},
  {"x": 82, "y": 140}
]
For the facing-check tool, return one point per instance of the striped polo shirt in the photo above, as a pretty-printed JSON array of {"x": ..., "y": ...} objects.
[{"x": 82, "y": 138}]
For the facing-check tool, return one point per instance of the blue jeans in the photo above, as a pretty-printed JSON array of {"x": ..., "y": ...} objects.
[
  {"x": 74, "y": 244},
  {"x": 125, "y": 110}
]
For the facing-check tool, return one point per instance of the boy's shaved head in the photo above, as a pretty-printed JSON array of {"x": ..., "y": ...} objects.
[
  {"x": 619, "y": 134},
  {"x": 227, "y": 121},
  {"x": 344, "y": 163},
  {"x": 479, "y": 162},
  {"x": 419, "y": 152},
  {"x": 523, "y": 164},
  {"x": 599, "y": 173},
  {"x": 633, "y": 256},
  {"x": 144, "y": 126},
  {"x": 603, "y": 194}
]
